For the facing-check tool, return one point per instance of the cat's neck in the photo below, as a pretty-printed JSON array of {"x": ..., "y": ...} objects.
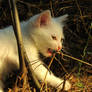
[{"x": 28, "y": 41}]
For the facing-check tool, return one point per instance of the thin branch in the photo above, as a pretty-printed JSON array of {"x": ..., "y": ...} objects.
[
  {"x": 22, "y": 56},
  {"x": 17, "y": 31},
  {"x": 47, "y": 72},
  {"x": 77, "y": 59}
]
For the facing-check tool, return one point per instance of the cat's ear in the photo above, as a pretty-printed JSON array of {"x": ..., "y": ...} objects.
[
  {"x": 62, "y": 19},
  {"x": 43, "y": 18}
]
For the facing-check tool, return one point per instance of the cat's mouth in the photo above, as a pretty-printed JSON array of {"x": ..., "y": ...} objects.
[{"x": 51, "y": 51}]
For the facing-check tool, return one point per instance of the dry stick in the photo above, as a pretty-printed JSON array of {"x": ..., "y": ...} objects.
[
  {"x": 81, "y": 16},
  {"x": 60, "y": 10},
  {"x": 17, "y": 31},
  {"x": 89, "y": 36},
  {"x": 51, "y": 6},
  {"x": 21, "y": 50},
  {"x": 77, "y": 59},
  {"x": 31, "y": 72},
  {"x": 47, "y": 72}
]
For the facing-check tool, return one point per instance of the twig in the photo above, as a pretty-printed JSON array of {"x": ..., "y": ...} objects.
[
  {"x": 60, "y": 9},
  {"x": 77, "y": 59},
  {"x": 51, "y": 6},
  {"x": 31, "y": 72},
  {"x": 81, "y": 16},
  {"x": 17, "y": 31},
  {"x": 47, "y": 71},
  {"x": 22, "y": 57}
]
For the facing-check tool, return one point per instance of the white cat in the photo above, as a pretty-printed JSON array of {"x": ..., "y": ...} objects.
[{"x": 41, "y": 33}]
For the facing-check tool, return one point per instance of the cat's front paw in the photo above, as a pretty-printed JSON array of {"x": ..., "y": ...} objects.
[{"x": 67, "y": 86}]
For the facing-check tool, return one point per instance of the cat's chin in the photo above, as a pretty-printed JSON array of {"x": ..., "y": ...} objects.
[
  {"x": 47, "y": 54},
  {"x": 44, "y": 55}
]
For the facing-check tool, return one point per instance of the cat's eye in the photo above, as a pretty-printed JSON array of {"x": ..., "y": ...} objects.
[{"x": 54, "y": 37}]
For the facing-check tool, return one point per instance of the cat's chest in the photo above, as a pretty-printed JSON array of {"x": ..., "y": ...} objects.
[
  {"x": 8, "y": 44},
  {"x": 30, "y": 48}
]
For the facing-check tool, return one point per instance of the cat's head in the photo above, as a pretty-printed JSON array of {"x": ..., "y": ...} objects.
[{"x": 47, "y": 32}]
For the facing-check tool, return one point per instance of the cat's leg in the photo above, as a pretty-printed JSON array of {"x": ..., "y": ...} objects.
[
  {"x": 51, "y": 79},
  {"x": 7, "y": 65}
]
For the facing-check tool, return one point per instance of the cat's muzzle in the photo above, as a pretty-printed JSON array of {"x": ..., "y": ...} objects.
[{"x": 52, "y": 51}]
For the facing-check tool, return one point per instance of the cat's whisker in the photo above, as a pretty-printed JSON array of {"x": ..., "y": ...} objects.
[
  {"x": 37, "y": 66},
  {"x": 32, "y": 63},
  {"x": 48, "y": 68},
  {"x": 36, "y": 61},
  {"x": 44, "y": 58}
]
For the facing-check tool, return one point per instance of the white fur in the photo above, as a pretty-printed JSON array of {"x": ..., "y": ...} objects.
[{"x": 36, "y": 34}]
